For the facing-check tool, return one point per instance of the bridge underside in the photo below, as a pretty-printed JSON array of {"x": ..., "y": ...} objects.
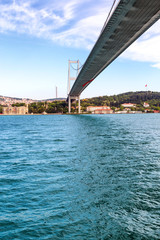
[{"x": 130, "y": 19}]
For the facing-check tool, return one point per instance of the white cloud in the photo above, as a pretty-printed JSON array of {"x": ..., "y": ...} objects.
[
  {"x": 22, "y": 17},
  {"x": 67, "y": 23},
  {"x": 82, "y": 34},
  {"x": 146, "y": 48},
  {"x": 156, "y": 65},
  {"x": 75, "y": 23}
]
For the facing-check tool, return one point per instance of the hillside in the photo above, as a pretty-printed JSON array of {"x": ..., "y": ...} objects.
[{"x": 153, "y": 98}]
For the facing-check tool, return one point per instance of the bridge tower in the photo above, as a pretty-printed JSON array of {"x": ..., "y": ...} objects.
[{"x": 71, "y": 78}]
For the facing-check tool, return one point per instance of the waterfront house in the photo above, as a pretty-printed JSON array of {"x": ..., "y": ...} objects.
[
  {"x": 99, "y": 109},
  {"x": 128, "y": 105}
]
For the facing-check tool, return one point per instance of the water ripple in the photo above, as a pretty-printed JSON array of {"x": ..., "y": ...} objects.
[{"x": 80, "y": 177}]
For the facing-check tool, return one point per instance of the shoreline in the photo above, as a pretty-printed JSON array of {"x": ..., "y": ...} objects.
[{"x": 39, "y": 114}]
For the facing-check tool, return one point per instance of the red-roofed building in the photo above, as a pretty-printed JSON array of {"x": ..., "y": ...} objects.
[
  {"x": 145, "y": 104},
  {"x": 103, "y": 111},
  {"x": 128, "y": 105},
  {"x": 99, "y": 109}
]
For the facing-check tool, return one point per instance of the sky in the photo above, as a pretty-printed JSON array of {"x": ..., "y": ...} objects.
[{"x": 38, "y": 37}]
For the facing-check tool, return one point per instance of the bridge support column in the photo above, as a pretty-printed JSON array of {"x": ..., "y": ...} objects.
[
  {"x": 75, "y": 98},
  {"x": 69, "y": 104},
  {"x": 79, "y": 105}
]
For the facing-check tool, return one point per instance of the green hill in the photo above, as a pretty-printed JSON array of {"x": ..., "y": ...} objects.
[{"x": 153, "y": 98}]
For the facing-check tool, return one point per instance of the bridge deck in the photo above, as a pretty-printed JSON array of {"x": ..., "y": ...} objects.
[{"x": 130, "y": 19}]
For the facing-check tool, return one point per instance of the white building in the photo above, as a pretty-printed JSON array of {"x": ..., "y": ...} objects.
[
  {"x": 92, "y": 108},
  {"x": 128, "y": 105},
  {"x": 145, "y": 105},
  {"x": 99, "y": 109}
]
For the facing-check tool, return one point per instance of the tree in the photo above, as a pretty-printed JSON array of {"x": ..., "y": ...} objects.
[
  {"x": 1, "y": 109},
  {"x": 121, "y": 108},
  {"x": 113, "y": 108},
  {"x": 133, "y": 109},
  {"x": 18, "y": 104}
]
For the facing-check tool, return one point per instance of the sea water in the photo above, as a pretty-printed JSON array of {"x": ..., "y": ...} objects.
[{"x": 80, "y": 177}]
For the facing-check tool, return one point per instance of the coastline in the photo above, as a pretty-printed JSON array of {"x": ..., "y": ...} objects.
[{"x": 39, "y": 114}]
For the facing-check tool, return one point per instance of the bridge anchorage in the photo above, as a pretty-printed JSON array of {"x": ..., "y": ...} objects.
[{"x": 70, "y": 79}]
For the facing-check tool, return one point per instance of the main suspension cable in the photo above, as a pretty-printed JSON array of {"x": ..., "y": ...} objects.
[
  {"x": 108, "y": 15},
  {"x": 77, "y": 68}
]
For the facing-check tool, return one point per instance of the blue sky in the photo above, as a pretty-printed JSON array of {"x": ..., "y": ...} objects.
[{"x": 37, "y": 38}]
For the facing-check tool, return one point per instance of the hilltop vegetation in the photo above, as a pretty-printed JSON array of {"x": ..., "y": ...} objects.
[
  {"x": 53, "y": 107},
  {"x": 18, "y": 105},
  {"x": 115, "y": 101},
  {"x": 153, "y": 98}
]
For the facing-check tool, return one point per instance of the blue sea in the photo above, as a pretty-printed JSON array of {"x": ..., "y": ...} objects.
[{"x": 80, "y": 177}]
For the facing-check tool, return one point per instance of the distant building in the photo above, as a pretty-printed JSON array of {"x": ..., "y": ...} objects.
[
  {"x": 128, "y": 105},
  {"x": 8, "y": 101},
  {"x": 121, "y": 112},
  {"x": 92, "y": 108},
  {"x": 145, "y": 105},
  {"x": 103, "y": 111},
  {"x": 99, "y": 109},
  {"x": 147, "y": 110},
  {"x": 15, "y": 110}
]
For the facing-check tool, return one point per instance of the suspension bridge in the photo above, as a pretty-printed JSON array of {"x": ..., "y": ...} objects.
[{"x": 129, "y": 20}]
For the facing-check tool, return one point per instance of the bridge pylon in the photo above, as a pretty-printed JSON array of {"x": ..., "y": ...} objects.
[{"x": 71, "y": 78}]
